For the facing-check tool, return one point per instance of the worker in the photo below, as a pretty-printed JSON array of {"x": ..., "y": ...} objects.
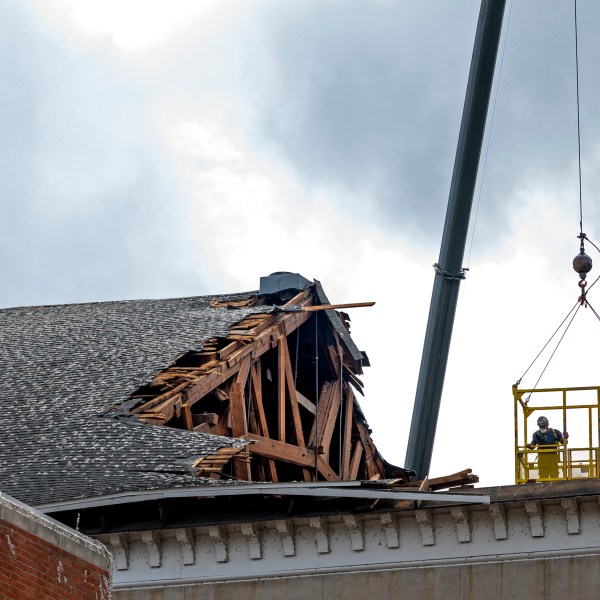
[{"x": 547, "y": 439}]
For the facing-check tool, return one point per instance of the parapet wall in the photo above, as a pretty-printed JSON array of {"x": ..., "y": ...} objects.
[{"x": 41, "y": 558}]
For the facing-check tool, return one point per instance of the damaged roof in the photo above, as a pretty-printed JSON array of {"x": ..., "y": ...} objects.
[
  {"x": 62, "y": 366},
  {"x": 68, "y": 374}
]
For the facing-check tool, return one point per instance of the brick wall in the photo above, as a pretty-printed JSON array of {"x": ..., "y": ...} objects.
[{"x": 41, "y": 558}]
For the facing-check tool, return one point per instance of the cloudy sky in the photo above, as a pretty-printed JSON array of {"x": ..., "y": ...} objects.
[{"x": 161, "y": 149}]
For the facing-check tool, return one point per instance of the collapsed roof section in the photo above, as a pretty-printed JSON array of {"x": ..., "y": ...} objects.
[
  {"x": 283, "y": 378},
  {"x": 77, "y": 383}
]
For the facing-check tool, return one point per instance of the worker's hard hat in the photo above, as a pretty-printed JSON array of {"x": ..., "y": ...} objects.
[{"x": 542, "y": 421}]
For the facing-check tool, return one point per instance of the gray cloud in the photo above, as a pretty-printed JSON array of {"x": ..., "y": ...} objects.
[
  {"x": 367, "y": 97},
  {"x": 361, "y": 97},
  {"x": 86, "y": 203}
]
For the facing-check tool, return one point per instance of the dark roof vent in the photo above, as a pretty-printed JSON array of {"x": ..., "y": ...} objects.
[{"x": 282, "y": 280}]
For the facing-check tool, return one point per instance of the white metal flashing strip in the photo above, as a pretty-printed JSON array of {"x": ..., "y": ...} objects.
[{"x": 346, "y": 489}]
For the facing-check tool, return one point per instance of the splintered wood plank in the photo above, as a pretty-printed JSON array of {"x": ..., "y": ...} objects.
[
  {"x": 461, "y": 478},
  {"x": 213, "y": 463},
  {"x": 366, "y": 442},
  {"x": 280, "y": 392},
  {"x": 354, "y": 380},
  {"x": 186, "y": 414},
  {"x": 355, "y": 463},
  {"x": 347, "y": 440}
]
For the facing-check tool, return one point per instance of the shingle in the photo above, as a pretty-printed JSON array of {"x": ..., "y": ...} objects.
[{"x": 62, "y": 366}]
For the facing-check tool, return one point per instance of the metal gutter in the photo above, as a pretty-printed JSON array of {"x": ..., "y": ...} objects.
[{"x": 314, "y": 489}]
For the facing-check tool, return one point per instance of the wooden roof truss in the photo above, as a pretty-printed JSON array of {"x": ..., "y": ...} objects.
[{"x": 281, "y": 380}]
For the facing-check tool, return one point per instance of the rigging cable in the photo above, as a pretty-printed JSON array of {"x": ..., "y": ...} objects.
[
  {"x": 554, "y": 351},
  {"x": 593, "y": 310},
  {"x": 546, "y": 344}
]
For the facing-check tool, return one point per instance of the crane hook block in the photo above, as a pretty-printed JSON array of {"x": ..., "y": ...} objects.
[{"x": 582, "y": 263}]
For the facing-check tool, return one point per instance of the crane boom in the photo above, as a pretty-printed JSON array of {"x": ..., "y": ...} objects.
[{"x": 449, "y": 271}]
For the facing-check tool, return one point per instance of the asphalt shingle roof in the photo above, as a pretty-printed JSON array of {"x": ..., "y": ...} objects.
[{"x": 62, "y": 366}]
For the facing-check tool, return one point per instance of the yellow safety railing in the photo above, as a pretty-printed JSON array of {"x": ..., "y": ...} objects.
[{"x": 564, "y": 407}]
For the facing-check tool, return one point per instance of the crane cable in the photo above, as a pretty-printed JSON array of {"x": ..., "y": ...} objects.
[
  {"x": 578, "y": 125},
  {"x": 582, "y": 301}
]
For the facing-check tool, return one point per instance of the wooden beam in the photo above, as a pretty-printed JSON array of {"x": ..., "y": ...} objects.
[
  {"x": 336, "y": 306},
  {"x": 241, "y": 466},
  {"x": 210, "y": 418},
  {"x": 347, "y": 440},
  {"x": 330, "y": 415},
  {"x": 280, "y": 391},
  {"x": 256, "y": 397},
  {"x": 239, "y": 427},
  {"x": 293, "y": 397},
  {"x": 186, "y": 414},
  {"x": 304, "y": 401},
  {"x": 324, "y": 400},
  {"x": 242, "y": 374},
  {"x": 355, "y": 463},
  {"x": 326, "y": 470},
  {"x": 237, "y": 407},
  {"x": 253, "y": 426},
  {"x": 280, "y": 451}
]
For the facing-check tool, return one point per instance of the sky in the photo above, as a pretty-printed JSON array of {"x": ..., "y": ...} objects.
[{"x": 162, "y": 149}]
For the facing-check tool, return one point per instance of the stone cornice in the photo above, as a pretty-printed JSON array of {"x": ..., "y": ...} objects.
[{"x": 502, "y": 531}]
